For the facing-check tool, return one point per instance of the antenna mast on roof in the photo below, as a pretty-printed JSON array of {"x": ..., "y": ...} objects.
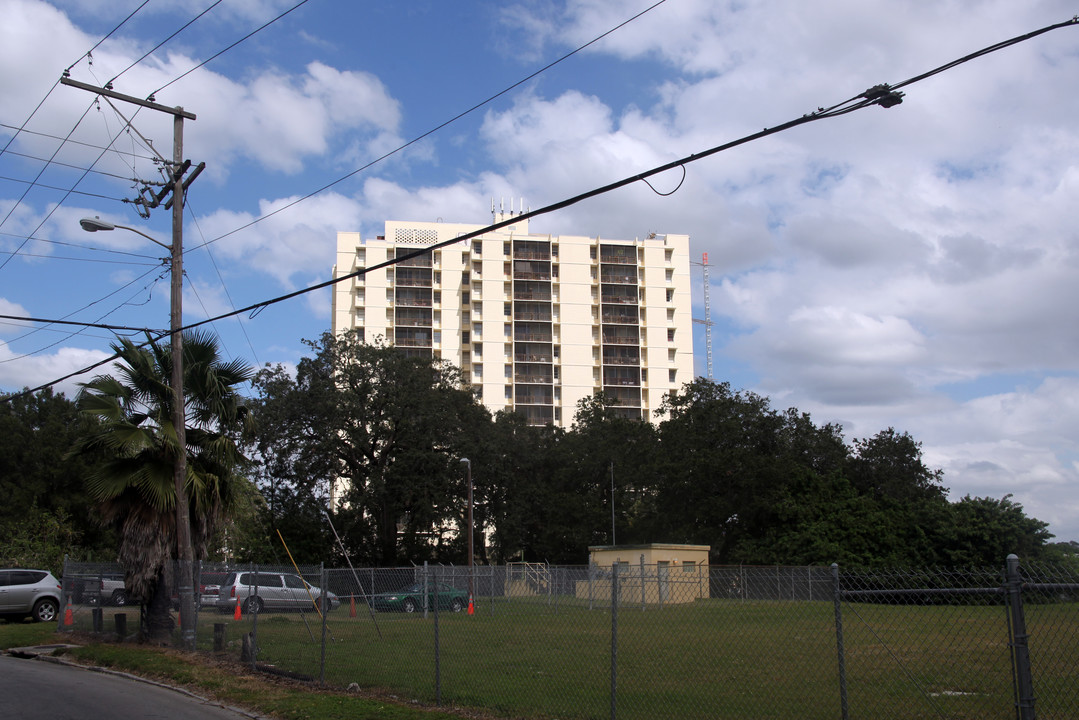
[{"x": 707, "y": 321}]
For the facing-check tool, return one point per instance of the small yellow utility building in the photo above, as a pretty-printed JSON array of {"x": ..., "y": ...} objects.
[{"x": 651, "y": 574}]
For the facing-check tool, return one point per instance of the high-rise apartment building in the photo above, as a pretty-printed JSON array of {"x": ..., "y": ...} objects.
[{"x": 535, "y": 322}]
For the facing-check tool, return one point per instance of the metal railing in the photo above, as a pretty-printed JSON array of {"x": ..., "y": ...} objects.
[{"x": 649, "y": 641}]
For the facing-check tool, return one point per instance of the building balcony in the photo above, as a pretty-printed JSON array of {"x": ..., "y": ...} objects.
[
  {"x": 619, "y": 299},
  {"x": 533, "y": 379},
  {"x": 520, "y": 254},
  {"x": 531, "y": 295},
  {"x": 412, "y": 282},
  {"x": 524, "y": 275},
  {"x": 627, "y": 256},
  {"x": 620, "y": 318},
  {"x": 534, "y": 399},
  {"x": 533, "y": 357},
  {"x": 618, "y": 279},
  {"x": 620, "y": 340}
]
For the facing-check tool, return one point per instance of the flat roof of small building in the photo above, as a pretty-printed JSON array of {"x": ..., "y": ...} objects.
[{"x": 650, "y": 546}]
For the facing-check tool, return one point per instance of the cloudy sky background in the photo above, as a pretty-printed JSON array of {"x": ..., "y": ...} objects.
[{"x": 912, "y": 267}]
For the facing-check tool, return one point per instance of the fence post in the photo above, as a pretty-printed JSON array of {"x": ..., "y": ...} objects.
[
  {"x": 590, "y": 566},
  {"x": 426, "y": 589},
  {"x": 642, "y": 582},
  {"x": 1024, "y": 683},
  {"x": 65, "y": 596},
  {"x": 324, "y": 607},
  {"x": 837, "y": 596},
  {"x": 255, "y": 622},
  {"x": 438, "y": 648},
  {"x": 614, "y": 641}
]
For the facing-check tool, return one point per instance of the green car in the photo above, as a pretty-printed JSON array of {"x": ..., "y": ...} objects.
[{"x": 410, "y": 599}]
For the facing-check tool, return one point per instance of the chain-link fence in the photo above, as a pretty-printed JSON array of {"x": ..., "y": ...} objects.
[{"x": 647, "y": 641}]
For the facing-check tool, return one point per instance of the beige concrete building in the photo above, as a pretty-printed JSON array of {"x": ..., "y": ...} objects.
[
  {"x": 536, "y": 322},
  {"x": 654, "y": 573}
]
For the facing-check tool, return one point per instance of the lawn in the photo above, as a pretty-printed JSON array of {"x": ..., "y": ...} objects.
[{"x": 707, "y": 659}]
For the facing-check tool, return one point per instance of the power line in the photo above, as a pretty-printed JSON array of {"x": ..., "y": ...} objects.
[
  {"x": 883, "y": 95},
  {"x": 69, "y": 141},
  {"x": 85, "y": 307},
  {"x": 435, "y": 129},
  {"x": 81, "y": 324},
  {"x": 77, "y": 167},
  {"x": 70, "y": 191},
  {"x": 85, "y": 247},
  {"x": 157, "y": 47},
  {"x": 87, "y": 54},
  {"x": 230, "y": 47},
  {"x": 76, "y": 259}
]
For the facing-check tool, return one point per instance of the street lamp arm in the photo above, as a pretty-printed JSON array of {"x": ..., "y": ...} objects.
[{"x": 95, "y": 224}]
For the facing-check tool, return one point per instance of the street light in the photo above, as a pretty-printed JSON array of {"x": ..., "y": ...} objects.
[
  {"x": 471, "y": 532},
  {"x": 185, "y": 551},
  {"x": 95, "y": 224}
]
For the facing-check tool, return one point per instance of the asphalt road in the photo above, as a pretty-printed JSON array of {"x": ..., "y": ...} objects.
[{"x": 40, "y": 690}]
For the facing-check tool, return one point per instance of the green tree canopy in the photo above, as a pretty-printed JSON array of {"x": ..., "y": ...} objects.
[
  {"x": 39, "y": 479},
  {"x": 386, "y": 428}
]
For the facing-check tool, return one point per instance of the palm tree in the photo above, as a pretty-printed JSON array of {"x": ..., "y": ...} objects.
[{"x": 135, "y": 448}]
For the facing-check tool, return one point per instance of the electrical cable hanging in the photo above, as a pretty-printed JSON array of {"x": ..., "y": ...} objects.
[
  {"x": 435, "y": 129},
  {"x": 884, "y": 95}
]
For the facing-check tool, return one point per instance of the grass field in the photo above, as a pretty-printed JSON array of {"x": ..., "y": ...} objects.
[{"x": 707, "y": 659}]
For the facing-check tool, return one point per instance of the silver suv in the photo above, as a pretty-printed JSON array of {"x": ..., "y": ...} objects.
[
  {"x": 34, "y": 593},
  {"x": 261, "y": 591}
]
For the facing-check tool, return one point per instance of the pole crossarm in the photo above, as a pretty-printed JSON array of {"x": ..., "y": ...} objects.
[{"x": 108, "y": 92}]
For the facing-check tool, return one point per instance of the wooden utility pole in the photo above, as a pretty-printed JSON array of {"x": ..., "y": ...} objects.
[{"x": 184, "y": 549}]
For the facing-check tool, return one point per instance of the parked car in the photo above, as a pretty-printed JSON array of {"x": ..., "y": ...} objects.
[
  {"x": 209, "y": 587},
  {"x": 112, "y": 591},
  {"x": 275, "y": 591},
  {"x": 410, "y": 599},
  {"x": 97, "y": 589},
  {"x": 33, "y": 593}
]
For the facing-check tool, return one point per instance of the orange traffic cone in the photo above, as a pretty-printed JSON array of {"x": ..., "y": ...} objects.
[
  {"x": 69, "y": 618},
  {"x": 471, "y": 606},
  {"x": 236, "y": 615},
  {"x": 352, "y": 606}
]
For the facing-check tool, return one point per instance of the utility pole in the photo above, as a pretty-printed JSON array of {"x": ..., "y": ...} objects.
[{"x": 184, "y": 549}]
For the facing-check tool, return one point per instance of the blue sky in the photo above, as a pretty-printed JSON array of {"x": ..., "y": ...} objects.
[{"x": 911, "y": 267}]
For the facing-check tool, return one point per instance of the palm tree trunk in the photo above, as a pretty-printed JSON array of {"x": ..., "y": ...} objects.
[{"x": 157, "y": 622}]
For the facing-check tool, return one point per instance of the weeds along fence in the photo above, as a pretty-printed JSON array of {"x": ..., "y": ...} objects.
[{"x": 648, "y": 641}]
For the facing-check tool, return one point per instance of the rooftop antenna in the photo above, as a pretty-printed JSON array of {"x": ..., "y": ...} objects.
[{"x": 707, "y": 321}]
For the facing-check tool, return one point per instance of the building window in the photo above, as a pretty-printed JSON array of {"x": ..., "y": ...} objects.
[
  {"x": 477, "y": 247},
  {"x": 689, "y": 566},
  {"x": 509, "y": 372},
  {"x": 672, "y": 376},
  {"x": 670, "y": 334},
  {"x": 477, "y": 371},
  {"x": 670, "y": 294},
  {"x": 509, "y": 392},
  {"x": 466, "y": 338}
]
